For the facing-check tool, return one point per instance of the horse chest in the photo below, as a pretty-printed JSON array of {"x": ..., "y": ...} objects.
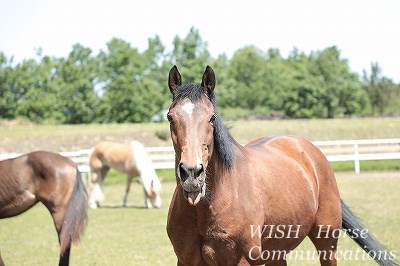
[
  {"x": 219, "y": 248},
  {"x": 221, "y": 242}
]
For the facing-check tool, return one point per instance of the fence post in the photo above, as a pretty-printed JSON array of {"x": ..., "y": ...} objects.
[{"x": 356, "y": 159}]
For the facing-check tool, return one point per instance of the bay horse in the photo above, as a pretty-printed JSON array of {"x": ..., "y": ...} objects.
[
  {"x": 55, "y": 181},
  {"x": 252, "y": 204},
  {"x": 131, "y": 159}
]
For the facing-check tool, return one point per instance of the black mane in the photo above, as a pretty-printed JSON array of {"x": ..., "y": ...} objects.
[{"x": 223, "y": 140}]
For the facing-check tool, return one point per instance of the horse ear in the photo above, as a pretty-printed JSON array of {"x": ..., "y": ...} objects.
[
  {"x": 174, "y": 79},
  {"x": 208, "y": 80}
]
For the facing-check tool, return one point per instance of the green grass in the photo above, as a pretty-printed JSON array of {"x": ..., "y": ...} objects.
[
  {"x": 28, "y": 137},
  {"x": 137, "y": 236},
  {"x": 378, "y": 165}
]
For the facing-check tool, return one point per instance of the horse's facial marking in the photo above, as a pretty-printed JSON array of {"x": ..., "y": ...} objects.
[{"x": 188, "y": 107}]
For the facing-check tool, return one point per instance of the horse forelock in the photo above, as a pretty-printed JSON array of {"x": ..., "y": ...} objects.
[
  {"x": 223, "y": 140},
  {"x": 191, "y": 91}
]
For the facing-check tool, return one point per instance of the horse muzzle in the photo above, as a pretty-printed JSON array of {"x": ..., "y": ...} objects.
[
  {"x": 193, "y": 182},
  {"x": 194, "y": 196}
]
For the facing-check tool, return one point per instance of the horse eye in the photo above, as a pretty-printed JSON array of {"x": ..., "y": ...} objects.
[
  {"x": 212, "y": 119},
  {"x": 169, "y": 117}
]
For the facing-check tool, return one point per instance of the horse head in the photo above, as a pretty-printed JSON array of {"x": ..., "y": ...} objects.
[
  {"x": 192, "y": 116},
  {"x": 153, "y": 198}
]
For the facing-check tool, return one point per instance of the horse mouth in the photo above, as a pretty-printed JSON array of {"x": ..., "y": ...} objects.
[{"x": 193, "y": 197}]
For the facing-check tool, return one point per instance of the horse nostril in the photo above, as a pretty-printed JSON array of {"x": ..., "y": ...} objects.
[
  {"x": 183, "y": 172},
  {"x": 186, "y": 172}
]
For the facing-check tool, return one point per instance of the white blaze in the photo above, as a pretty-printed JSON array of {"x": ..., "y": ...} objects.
[{"x": 188, "y": 108}]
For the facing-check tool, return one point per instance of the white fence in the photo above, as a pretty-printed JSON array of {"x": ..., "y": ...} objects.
[
  {"x": 335, "y": 151},
  {"x": 360, "y": 150}
]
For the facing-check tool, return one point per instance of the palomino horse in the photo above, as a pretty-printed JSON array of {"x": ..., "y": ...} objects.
[
  {"x": 131, "y": 159},
  {"x": 53, "y": 180},
  {"x": 252, "y": 204}
]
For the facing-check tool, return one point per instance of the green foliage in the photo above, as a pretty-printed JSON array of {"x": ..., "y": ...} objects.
[
  {"x": 190, "y": 55},
  {"x": 7, "y": 88},
  {"x": 381, "y": 90},
  {"x": 122, "y": 84}
]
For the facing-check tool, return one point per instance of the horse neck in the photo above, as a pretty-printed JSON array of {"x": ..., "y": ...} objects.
[{"x": 219, "y": 174}]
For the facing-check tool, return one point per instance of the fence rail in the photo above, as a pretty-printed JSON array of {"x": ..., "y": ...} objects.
[{"x": 335, "y": 151}]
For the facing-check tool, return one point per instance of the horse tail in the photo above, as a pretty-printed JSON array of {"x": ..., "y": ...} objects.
[
  {"x": 75, "y": 218},
  {"x": 375, "y": 249}
]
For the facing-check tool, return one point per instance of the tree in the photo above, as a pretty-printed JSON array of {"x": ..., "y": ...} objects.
[
  {"x": 225, "y": 94},
  {"x": 246, "y": 69},
  {"x": 302, "y": 99},
  {"x": 127, "y": 96},
  {"x": 379, "y": 88},
  {"x": 277, "y": 76},
  {"x": 8, "y": 97},
  {"x": 190, "y": 55},
  {"x": 341, "y": 89},
  {"x": 35, "y": 89},
  {"x": 77, "y": 99},
  {"x": 154, "y": 75},
  {"x": 122, "y": 84}
]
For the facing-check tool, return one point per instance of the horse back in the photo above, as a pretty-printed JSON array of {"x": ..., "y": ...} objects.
[
  {"x": 32, "y": 177},
  {"x": 113, "y": 155},
  {"x": 297, "y": 153}
]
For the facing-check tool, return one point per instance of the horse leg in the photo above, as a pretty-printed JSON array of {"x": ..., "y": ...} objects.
[
  {"x": 325, "y": 232},
  {"x": 128, "y": 187},
  {"x": 326, "y": 247},
  {"x": 58, "y": 213},
  {"x": 64, "y": 259}
]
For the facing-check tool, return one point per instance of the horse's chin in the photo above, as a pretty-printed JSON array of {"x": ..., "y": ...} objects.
[{"x": 194, "y": 197}]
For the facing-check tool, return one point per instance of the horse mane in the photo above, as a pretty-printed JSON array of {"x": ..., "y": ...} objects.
[
  {"x": 223, "y": 140},
  {"x": 145, "y": 166}
]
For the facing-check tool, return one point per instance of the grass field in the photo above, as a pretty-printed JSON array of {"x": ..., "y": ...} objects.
[
  {"x": 28, "y": 137},
  {"x": 137, "y": 236},
  {"x": 21, "y": 137}
]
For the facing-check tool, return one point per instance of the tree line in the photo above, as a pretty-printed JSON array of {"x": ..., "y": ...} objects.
[{"x": 122, "y": 84}]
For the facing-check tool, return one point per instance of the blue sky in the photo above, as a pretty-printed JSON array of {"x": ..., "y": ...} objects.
[{"x": 364, "y": 30}]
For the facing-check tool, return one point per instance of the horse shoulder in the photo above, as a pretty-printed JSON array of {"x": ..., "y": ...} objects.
[{"x": 17, "y": 187}]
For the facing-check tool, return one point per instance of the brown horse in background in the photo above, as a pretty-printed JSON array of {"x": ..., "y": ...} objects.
[
  {"x": 53, "y": 180},
  {"x": 131, "y": 159},
  {"x": 252, "y": 204}
]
